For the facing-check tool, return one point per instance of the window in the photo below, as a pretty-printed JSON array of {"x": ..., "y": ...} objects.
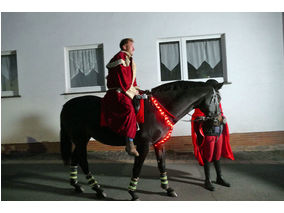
[
  {"x": 193, "y": 58},
  {"x": 9, "y": 74},
  {"x": 170, "y": 61},
  {"x": 85, "y": 69}
]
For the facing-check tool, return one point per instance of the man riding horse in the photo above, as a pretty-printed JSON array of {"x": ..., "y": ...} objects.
[{"x": 117, "y": 109}]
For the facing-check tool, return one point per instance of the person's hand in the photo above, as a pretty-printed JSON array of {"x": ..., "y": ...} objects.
[
  {"x": 147, "y": 92},
  {"x": 136, "y": 92},
  {"x": 224, "y": 120},
  {"x": 200, "y": 118}
]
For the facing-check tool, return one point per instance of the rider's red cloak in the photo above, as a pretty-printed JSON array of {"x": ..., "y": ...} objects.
[
  {"x": 117, "y": 111},
  {"x": 226, "y": 148}
]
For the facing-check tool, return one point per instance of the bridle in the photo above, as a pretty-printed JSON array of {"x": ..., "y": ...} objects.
[
  {"x": 214, "y": 100},
  {"x": 169, "y": 118}
]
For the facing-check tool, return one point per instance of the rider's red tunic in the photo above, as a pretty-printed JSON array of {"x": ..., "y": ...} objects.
[
  {"x": 117, "y": 110},
  {"x": 205, "y": 149}
]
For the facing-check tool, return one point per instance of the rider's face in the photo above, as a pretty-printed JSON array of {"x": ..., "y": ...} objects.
[{"x": 129, "y": 47}]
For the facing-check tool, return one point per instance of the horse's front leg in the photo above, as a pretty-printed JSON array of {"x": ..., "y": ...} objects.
[
  {"x": 143, "y": 149},
  {"x": 161, "y": 159}
]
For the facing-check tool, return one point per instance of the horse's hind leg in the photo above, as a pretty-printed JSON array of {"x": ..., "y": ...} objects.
[
  {"x": 81, "y": 156},
  {"x": 143, "y": 149},
  {"x": 74, "y": 172},
  {"x": 160, "y": 155}
]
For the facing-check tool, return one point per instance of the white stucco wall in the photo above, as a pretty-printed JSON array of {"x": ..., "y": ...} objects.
[{"x": 254, "y": 44}]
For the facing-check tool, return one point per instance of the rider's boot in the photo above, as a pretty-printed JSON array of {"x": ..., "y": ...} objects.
[{"x": 130, "y": 147}]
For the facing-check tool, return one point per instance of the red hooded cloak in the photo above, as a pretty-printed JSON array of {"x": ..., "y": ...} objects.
[{"x": 226, "y": 148}]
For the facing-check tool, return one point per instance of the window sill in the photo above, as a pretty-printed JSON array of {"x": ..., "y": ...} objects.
[
  {"x": 12, "y": 96},
  {"x": 227, "y": 82},
  {"x": 76, "y": 93}
]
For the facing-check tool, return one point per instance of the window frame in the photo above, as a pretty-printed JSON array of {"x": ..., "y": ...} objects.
[
  {"x": 183, "y": 56},
  {"x": 68, "y": 88},
  {"x": 168, "y": 40},
  {"x": 11, "y": 93}
]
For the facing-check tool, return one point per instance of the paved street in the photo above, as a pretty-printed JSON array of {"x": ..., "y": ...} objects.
[{"x": 255, "y": 176}]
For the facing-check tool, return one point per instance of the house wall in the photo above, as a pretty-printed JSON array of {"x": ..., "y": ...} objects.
[{"x": 254, "y": 101}]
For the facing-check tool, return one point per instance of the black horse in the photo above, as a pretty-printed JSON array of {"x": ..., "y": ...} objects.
[{"x": 80, "y": 120}]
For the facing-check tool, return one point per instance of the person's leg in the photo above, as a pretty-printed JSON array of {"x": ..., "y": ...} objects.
[
  {"x": 208, "y": 149},
  {"x": 128, "y": 118},
  {"x": 220, "y": 180},
  {"x": 207, "y": 184}
]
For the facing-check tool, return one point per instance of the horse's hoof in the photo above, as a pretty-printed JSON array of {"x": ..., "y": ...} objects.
[
  {"x": 79, "y": 189},
  {"x": 135, "y": 199},
  {"x": 133, "y": 195},
  {"x": 101, "y": 195},
  {"x": 171, "y": 192},
  {"x": 77, "y": 186},
  {"x": 100, "y": 192}
]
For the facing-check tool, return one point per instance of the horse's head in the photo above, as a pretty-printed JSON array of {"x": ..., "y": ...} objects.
[{"x": 210, "y": 104}]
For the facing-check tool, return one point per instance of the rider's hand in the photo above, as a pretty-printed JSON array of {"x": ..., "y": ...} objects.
[{"x": 136, "y": 92}]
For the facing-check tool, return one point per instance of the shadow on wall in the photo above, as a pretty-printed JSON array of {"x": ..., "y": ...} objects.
[
  {"x": 34, "y": 146},
  {"x": 36, "y": 133}
]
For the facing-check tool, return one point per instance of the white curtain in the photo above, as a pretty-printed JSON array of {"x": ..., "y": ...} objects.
[
  {"x": 83, "y": 61},
  {"x": 86, "y": 67},
  {"x": 9, "y": 76},
  {"x": 200, "y": 51},
  {"x": 170, "y": 55}
]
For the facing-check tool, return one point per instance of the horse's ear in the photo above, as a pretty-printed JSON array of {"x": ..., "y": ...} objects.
[{"x": 218, "y": 86}]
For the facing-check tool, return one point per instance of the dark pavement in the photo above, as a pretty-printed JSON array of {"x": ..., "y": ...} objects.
[{"x": 255, "y": 176}]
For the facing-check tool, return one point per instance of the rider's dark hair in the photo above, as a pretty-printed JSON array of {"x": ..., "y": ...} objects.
[{"x": 125, "y": 41}]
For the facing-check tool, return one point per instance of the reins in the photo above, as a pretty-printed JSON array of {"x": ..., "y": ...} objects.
[{"x": 198, "y": 119}]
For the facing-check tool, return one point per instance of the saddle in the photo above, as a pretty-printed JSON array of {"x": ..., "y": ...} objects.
[
  {"x": 138, "y": 103},
  {"x": 137, "y": 100}
]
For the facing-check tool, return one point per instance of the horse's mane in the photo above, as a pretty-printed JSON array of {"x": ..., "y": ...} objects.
[{"x": 176, "y": 85}]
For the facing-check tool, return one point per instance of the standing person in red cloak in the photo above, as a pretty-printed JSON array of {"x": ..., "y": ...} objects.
[
  {"x": 117, "y": 109},
  {"x": 211, "y": 141}
]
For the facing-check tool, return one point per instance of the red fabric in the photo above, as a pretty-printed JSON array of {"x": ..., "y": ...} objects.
[
  {"x": 120, "y": 76},
  {"x": 212, "y": 148},
  {"x": 226, "y": 150},
  {"x": 140, "y": 114},
  {"x": 117, "y": 111}
]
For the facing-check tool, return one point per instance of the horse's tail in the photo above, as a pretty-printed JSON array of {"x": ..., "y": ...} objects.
[{"x": 65, "y": 146}]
